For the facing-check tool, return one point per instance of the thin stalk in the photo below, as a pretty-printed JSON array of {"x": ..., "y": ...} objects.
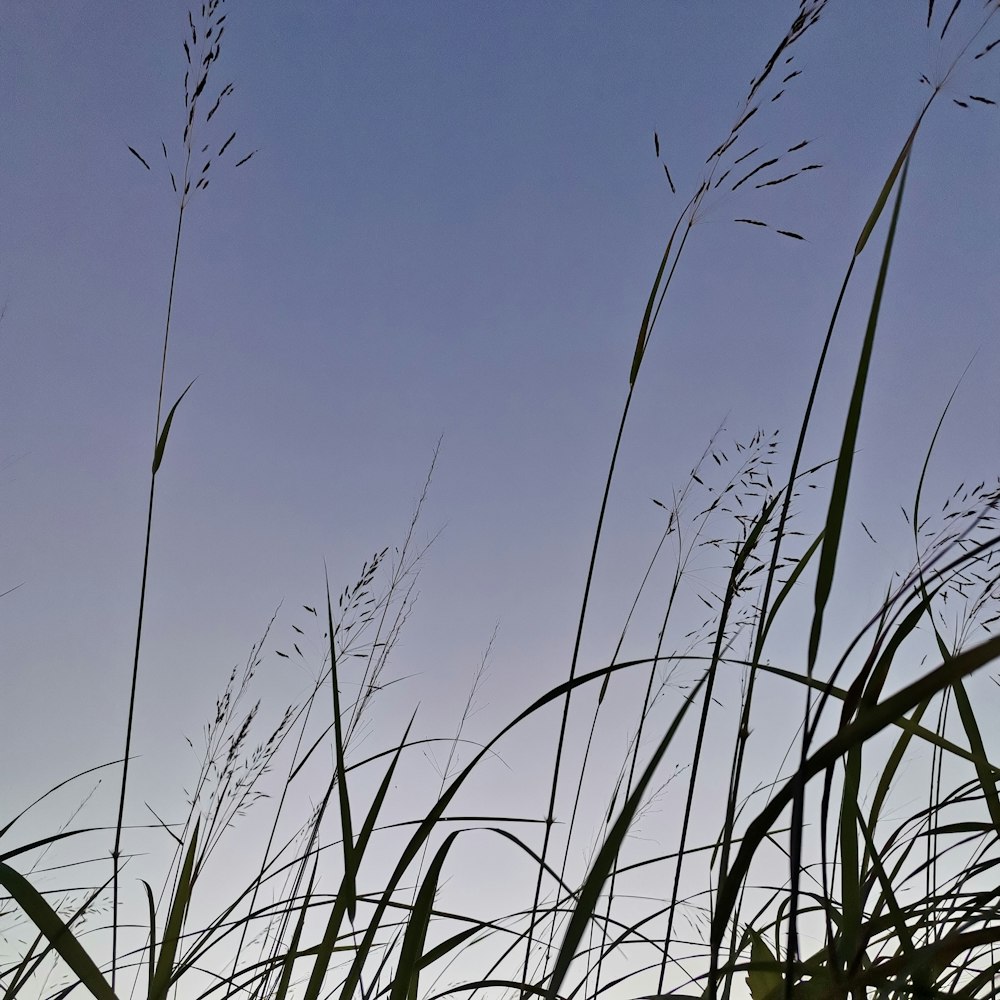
[{"x": 116, "y": 852}]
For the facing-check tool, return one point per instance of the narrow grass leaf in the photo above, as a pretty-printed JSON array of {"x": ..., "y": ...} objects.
[
  {"x": 640, "y": 346},
  {"x": 165, "y": 961},
  {"x": 151, "y": 906},
  {"x": 446, "y": 947},
  {"x": 842, "y": 476},
  {"x": 46, "y": 841},
  {"x": 421, "y": 834},
  {"x": 26, "y": 968},
  {"x": 883, "y": 197},
  {"x": 348, "y": 888},
  {"x": 288, "y": 959},
  {"x": 788, "y": 585},
  {"x": 406, "y": 982},
  {"x": 162, "y": 442},
  {"x": 4, "y": 830},
  {"x": 888, "y": 892},
  {"x": 984, "y": 770}
]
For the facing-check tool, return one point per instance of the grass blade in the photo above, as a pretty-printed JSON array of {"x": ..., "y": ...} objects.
[
  {"x": 348, "y": 888},
  {"x": 405, "y": 985},
  {"x": 842, "y": 476},
  {"x": 163, "y": 974},
  {"x": 151, "y": 905},
  {"x": 162, "y": 440}
]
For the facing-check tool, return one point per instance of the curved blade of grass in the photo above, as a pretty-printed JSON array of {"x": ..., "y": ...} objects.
[
  {"x": 61, "y": 937},
  {"x": 165, "y": 961},
  {"x": 842, "y": 477},
  {"x": 892, "y": 765},
  {"x": 151, "y": 906},
  {"x": 406, "y": 982},
  {"x": 161, "y": 443},
  {"x": 936, "y": 957},
  {"x": 80, "y": 774},
  {"x": 987, "y": 780},
  {"x": 45, "y": 841},
  {"x": 883, "y": 197},
  {"x": 586, "y": 904},
  {"x": 790, "y": 583},
  {"x": 446, "y": 946},
  {"x": 732, "y": 588},
  {"x": 860, "y": 694},
  {"x": 835, "y": 516},
  {"x": 640, "y": 346},
  {"x": 26, "y": 967},
  {"x": 866, "y": 688},
  {"x": 908, "y": 724},
  {"x": 347, "y": 834}
]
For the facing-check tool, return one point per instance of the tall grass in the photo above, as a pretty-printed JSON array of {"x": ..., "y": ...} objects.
[{"x": 896, "y": 904}]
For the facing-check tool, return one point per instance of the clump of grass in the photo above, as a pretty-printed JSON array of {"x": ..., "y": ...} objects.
[{"x": 900, "y": 906}]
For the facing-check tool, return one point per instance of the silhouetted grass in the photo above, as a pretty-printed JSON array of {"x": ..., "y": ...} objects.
[{"x": 902, "y": 904}]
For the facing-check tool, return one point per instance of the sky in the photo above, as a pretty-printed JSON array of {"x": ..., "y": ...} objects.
[{"x": 447, "y": 231}]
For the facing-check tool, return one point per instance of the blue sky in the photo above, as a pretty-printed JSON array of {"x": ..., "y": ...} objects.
[{"x": 448, "y": 230}]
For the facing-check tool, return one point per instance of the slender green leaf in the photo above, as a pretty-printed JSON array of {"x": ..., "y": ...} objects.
[
  {"x": 162, "y": 442},
  {"x": 793, "y": 577},
  {"x": 164, "y": 971},
  {"x": 883, "y": 197},
  {"x": 644, "y": 329},
  {"x": 348, "y": 888},
  {"x": 151, "y": 907},
  {"x": 984, "y": 770},
  {"x": 842, "y": 477},
  {"x": 406, "y": 981},
  {"x": 30, "y": 963},
  {"x": 4, "y": 830}
]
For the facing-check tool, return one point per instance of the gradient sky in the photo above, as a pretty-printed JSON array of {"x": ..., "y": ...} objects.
[{"x": 449, "y": 229}]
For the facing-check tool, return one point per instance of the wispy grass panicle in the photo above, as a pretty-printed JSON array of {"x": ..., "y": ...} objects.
[{"x": 203, "y": 143}]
